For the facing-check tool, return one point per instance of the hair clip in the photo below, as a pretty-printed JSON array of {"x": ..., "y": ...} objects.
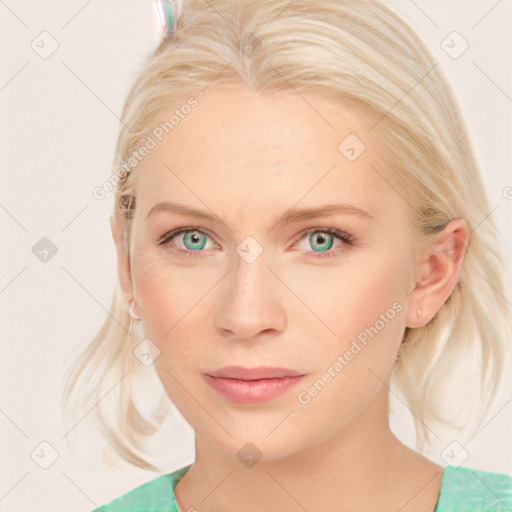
[{"x": 170, "y": 15}]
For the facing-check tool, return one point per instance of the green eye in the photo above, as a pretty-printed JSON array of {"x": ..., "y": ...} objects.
[
  {"x": 194, "y": 240},
  {"x": 321, "y": 241}
]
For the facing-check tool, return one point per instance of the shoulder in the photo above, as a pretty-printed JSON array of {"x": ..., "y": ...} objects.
[
  {"x": 157, "y": 495},
  {"x": 466, "y": 489}
]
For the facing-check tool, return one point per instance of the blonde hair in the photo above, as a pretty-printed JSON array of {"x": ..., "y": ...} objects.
[{"x": 357, "y": 52}]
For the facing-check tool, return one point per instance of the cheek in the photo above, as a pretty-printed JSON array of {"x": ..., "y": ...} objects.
[
  {"x": 361, "y": 305},
  {"x": 340, "y": 300},
  {"x": 170, "y": 295},
  {"x": 363, "y": 309},
  {"x": 156, "y": 289}
]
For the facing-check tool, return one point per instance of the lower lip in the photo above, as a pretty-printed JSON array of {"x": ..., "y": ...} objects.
[{"x": 246, "y": 391}]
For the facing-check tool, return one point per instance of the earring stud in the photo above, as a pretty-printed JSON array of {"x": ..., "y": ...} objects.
[
  {"x": 132, "y": 309},
  {"x": 419, "y": 313}
]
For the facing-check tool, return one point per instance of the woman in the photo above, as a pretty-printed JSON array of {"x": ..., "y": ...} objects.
[{"x": 297, "y": 224}]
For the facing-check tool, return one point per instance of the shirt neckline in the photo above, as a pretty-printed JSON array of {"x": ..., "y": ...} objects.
[{"x": 180, "y": 473}]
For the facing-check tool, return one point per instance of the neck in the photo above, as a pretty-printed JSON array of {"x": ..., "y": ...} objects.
[{"x": 358, "y": 468}]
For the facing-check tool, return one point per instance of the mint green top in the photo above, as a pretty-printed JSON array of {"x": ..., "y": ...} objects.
[{"x": 462, "y": 490}]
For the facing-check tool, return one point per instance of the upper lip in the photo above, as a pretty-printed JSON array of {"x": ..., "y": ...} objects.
[{"x": 261, "y": 372}]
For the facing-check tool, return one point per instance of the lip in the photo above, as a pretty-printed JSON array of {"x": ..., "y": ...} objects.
[
  {"x": 261, "y": 372},
  {"x": 251, "y": 385}
]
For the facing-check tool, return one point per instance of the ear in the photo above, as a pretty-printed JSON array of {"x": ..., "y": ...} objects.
[
  {"x": 123, "y": 256},
  {"x": 437, "y": 271}
]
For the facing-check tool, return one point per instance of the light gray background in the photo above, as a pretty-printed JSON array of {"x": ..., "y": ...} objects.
[{"x": 59, "y": 123}]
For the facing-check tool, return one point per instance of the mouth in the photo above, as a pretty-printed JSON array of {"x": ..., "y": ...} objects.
[{"x": 249, "y": 385}]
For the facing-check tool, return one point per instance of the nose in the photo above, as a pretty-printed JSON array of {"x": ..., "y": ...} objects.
[{"x": 249, "y": 305}]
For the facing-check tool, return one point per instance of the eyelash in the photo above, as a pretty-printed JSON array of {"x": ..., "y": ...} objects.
[{"x": 346, "y": 238}]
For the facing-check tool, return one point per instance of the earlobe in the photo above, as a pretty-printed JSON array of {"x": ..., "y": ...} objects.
[
  {"x": 123, "y": 257},
  {"x": 438, "y": 271}
]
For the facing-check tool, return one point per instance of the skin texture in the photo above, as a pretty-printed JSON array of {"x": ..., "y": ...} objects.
[{"x": 248, "y": 159}]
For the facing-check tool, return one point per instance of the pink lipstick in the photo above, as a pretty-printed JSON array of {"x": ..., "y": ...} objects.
[{"x": 246, "y": 385}]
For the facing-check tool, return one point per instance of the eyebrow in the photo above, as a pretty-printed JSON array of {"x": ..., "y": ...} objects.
[{"x": 291, "y": 216}]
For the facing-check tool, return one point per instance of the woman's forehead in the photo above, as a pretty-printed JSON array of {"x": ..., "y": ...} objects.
[
  {"x": 266, "y": 143},
  {"x": 226, "y": 115}
]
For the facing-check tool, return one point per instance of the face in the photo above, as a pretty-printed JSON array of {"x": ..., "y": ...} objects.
[{"x": 262, "y": 277}]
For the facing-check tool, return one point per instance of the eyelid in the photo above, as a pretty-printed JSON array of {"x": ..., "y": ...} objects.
[
  {"x": 338, "y": 233},
  {"x": 169, "y": 235}
]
